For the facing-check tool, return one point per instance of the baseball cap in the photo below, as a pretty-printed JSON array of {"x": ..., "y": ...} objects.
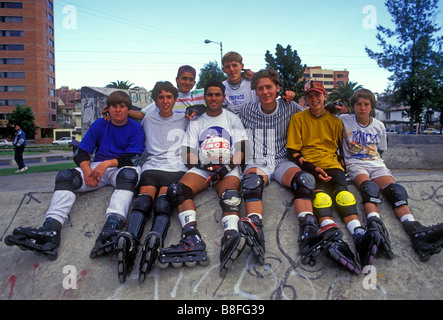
[
  {"x": 186, "y": 68},
  {"x": 314, "y": 85}
]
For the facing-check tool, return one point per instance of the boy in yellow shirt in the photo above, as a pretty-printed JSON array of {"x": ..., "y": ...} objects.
[{"x": 314, "y": 137}]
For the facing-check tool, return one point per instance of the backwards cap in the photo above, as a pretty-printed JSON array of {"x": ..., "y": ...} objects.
[
  {"x": 314, "y": 85},
  {"x": 186, "y": 68}
]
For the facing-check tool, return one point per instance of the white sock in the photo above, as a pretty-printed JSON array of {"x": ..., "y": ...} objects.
[
  {"x": 230, "y": 222},
  {"x": 326, "y": 222},
  {"x": 303, "y": 214},
  {"x": 255, "y": 214},
  {"x": 408, "y": 217},
  {"x": 352, "y": 225},
  {"x": 187, "y": 216},
  {"x": 373, "y": 214}
]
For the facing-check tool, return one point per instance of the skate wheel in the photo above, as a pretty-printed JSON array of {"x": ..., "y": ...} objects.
[
  {"x": 177, "y": 264},
  {"x": 8, "y": 242},
  {"x": 120, "y": 255},
  {"x": 228, "y": 264},
  {"x": 191, "y": 264},
  {"x": 223, "y": 272},
  {"x": 261, "y": 260},
  {"x": 204, "y": 262},
  {"x": 120, "y": 267},
  {"x": 141, "y": 278},
  {"x": 162, "y": 265}
]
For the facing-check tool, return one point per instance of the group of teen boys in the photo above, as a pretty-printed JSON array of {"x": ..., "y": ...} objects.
[{"x": 237, "y": 136}]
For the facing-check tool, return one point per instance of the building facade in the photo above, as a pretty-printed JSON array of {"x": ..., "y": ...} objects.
[
  {"x": 27, "y": 63},
  {"x": 331, "y": 79}
]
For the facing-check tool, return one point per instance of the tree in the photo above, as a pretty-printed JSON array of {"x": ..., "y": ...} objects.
[
  {"x": 120, "y": 84},
  {"x": 23, "y": 116},
  {"x": 288, "y": 64},
  {"x": 210, "y": 71},
  {"x": 344, "y": 92},
  {"x": 414, "y": 55}
]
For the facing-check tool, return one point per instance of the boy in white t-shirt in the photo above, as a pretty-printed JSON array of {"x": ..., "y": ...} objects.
[{"x": 364, "y": 140}]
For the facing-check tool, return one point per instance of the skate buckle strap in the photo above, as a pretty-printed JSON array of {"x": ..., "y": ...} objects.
[{"x": 245, "y": 219}]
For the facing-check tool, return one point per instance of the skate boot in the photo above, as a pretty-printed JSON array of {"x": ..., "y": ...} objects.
[
  {"x": 126, "y": 247},
  {"x": 426, "y": 241},
  {"x": 374, "y": 223},
  {"x": 252, "y": 229},
  {"x": 339, "y": 251},
  {"x": 152, "y": 245},
  {"x": 106, "y": 241},
  {"x": 190, "y": 250},
  {"x": 366, "y": 244},
  {"x": 232, "y": 245},
  {"x": 42, "y": 241},
  {"x": 313, "y": 239}
]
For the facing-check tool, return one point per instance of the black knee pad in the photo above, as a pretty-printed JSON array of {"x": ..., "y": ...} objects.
[
  {"x": 303, "y": 185},
  {"x": 396, "y": 194},
  {"x": 345, "y": 203},
  {"x": 322, "y": 204},
  {"x": 370, "y": 192},
  {"x": 127, "y": 179},
  {"x": 68, "y": 179},
  {"x": 162, "y": 205},
  {"x": 252, "y": 187},
  {"x": 230, "y": 201},
  {"x": 178, "y": 192},
  {"x": 141, "y": 209}
]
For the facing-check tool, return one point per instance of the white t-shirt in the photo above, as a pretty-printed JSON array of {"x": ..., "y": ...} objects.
[
  {"x": 226, "y": 125},
  {"x": 241, "y": 95},
  {"x": 164, "y": 137},
  {"x": 361, "y": 144}
]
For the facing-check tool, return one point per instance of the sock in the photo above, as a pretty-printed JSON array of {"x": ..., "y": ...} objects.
[
  {"x": 407, "y": 217},
  {"x": 302, "y": 214},
  {"x": 260, "y": 217},
  {"x": 352, "y": 225},
  {"x": 230, "y": 222},
  {"x": 187, "y": 217},
  {"x": 326, "y": 222},
  {"x": 373, "y": 214}
]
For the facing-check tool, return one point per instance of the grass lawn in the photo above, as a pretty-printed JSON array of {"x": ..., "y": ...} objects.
[{"x": 35, "y": 169}]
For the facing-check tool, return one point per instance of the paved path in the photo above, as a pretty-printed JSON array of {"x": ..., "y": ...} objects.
[{"x": 23, "y": 275}]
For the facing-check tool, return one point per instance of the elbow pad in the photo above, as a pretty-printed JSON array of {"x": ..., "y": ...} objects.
[
  {"x": 80, "y": 156},
  {"x": 128, "y": 160}
]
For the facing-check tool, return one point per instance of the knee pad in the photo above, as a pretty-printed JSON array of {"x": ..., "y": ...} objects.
[
  {"x": 162, "y": 205},
  {"x": 126, "y": 179},
  {"x": 322, "y": 204},
  {"x": 252, "y": 187},
  {"x": 345, "y": 203},
  {"x": 230, "y": 201},
  {"x": 370, "y": 192},
  {"x": 396, "y": 194},
  {"x": 143, "y": 203},
  {"x": 68, "y": 179},
  {"x": 177, "y": 193},
  {"x": 303, "y": 185}
]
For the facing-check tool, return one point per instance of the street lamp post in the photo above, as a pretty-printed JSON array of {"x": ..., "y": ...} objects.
[{"x": 221, "y": 50}]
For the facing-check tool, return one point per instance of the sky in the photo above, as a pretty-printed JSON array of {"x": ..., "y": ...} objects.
[{"x": 144, "y": 41}]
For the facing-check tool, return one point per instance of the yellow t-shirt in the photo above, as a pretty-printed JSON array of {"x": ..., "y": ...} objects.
[{"x": 316, "y": 138}]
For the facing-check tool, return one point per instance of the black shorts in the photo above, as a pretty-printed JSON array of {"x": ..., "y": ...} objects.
[
  {"x": 338, "y": 181},
  {"x": 158, "y": 178}
]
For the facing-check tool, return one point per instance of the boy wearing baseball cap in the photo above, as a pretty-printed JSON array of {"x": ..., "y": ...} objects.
[{"x": 314, "y": 136}]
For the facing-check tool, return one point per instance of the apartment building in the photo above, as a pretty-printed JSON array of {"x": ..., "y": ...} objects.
[
  {"x": 27, "y": 63},
  {"x": 330, "y": 78}
]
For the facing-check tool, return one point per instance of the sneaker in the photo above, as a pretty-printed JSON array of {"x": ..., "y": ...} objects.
[{"x": 24, "y": 169}]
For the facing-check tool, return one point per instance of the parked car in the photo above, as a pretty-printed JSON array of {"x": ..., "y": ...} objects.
[
  {"x": 5, "y": 143},
  {"x": 62, "y": 141},
  {"x": 430, "y": 131}
]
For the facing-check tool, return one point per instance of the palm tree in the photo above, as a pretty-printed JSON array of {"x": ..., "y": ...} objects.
[
  {"x": 344, "y": 92},
  {"x": 120, "y": 84}
]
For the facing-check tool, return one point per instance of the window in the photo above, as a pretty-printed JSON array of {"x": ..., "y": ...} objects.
[
  {"x": 317, "y": 75},
  {"x": 13, "y": 102},
  {"x": 51, "y": 55},
  {"x": 51, "y": 68},
  {"x": 11, "y": 19},
  {"x": 51, "y": 17},
  {"x": 12, "y": 47},
  {"x": 50, "y": 5},
  {"x": 12, "y": 75},
  {"x": 51, "y": 30},
  {"x": 340, "y": 75},
  {"x": 12, "y": 88},
  {"x": 12, "y": 61},
  {"x": 11, "y": 5},
  {"x": 52, "y": 80},
  {"x": 11, "y": 33}
]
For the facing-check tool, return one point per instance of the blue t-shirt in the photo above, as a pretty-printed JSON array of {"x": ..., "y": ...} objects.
[{"x": 110, "y": 141}]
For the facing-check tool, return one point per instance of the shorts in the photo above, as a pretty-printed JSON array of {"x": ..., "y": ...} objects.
[
  {"x": 373, "y": 172},
  {"x": 206, "y": 174},
  {"x": 274, "y": 172},
  {"x": 159, "y": 178},
  {"x": 338, "y": 181}
]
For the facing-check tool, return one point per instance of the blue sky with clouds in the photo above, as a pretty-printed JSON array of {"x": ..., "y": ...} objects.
[{"x": 145, "y": 41}]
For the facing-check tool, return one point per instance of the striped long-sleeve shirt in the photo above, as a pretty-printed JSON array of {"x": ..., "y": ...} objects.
[{"x": 266, "y": 132}]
